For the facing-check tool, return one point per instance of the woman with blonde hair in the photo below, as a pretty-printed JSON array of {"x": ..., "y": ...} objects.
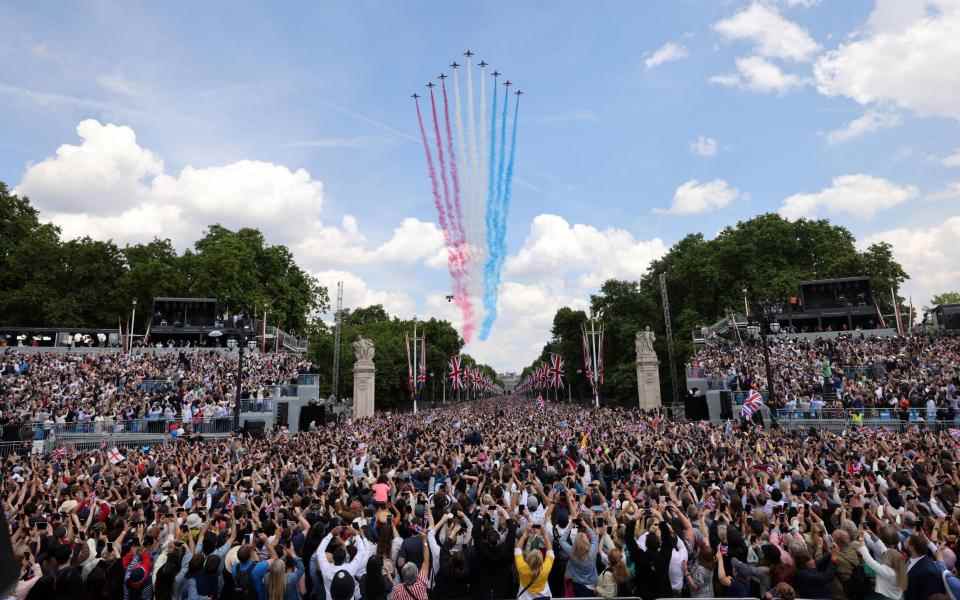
[
  {"x": 582, "y": 564},
  {"x": 614, "y": 581},
  {"x": 533, "y": 568},
  {"x": 283, "y": 577},
  {"x": 891, "y": 569}
]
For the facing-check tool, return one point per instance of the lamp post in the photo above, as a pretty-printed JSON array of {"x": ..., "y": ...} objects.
[
  {"x": 236, "y": 400},
  {"x": 767, "y": 312},
  {"x": 596, "y": 335},
  {"x": 133, "y": 318}
]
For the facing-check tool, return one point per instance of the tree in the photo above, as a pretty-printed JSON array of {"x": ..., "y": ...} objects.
[
  {"x": 767, "y": 256},
  {"x": 90, "y": 283},
  {"x": 945, "y": 298}
]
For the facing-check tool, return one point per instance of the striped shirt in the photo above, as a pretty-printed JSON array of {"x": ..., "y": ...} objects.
[{"x": 415, "y": 591}]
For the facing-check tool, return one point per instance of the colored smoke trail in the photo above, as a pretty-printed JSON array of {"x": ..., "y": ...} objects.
[
  {"x": 495, "y": 221},
  {"x": 466, "y": 308},
  {"x": 455, "y": 215},
  {"x": 463, "y": 166},
  {"x": 431, "y": 172},
  {"x": 443, "y": 169},
  {"x": 455, "y": 252},
  {"x": 507, "y": 192},
  {"x": 459, "y": 257}
]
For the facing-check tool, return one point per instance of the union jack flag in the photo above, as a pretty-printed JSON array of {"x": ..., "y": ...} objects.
[
  {"x": 476, "y": 379},
  {"x": 540, "y": 402},
  {"x": 456, "y": 373},
  {"x": 556, "y": 371},
  {"x": 422, "y": 370},
  {"x": 59, "y": 454},
  {"x": 751, "y": 405}
]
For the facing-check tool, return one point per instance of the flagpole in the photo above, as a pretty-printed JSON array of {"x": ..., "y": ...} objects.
[{"x": 416, "y": 368}]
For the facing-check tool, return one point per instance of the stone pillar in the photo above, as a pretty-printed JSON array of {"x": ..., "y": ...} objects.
[
  {"x": 648, "y": 371},
  {"x": 364, "y": 373}
]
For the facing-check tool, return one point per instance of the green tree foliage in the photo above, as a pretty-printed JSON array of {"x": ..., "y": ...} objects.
[
  {"x": 767, "y": 256},
  {"x": 90, "y": 283},
  {"x": 389, "y": 336},
  {"x": 945, "y": 298}
]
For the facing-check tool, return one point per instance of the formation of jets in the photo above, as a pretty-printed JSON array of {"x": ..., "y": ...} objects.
[{"x": 454, "y": 65}]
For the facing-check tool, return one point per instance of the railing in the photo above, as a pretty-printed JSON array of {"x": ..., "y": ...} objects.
[
  {"x": 838, "y": 418},
  {"x": 256, "y": 405},
  {"x": 154, "y": 427}
]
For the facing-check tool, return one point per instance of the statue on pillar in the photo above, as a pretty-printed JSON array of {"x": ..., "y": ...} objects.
[
  {"x": 364, "y": 378},
  {"x": 363, "y": 349},
  {"x": 648, "y": 372},
  {"x": 644, "y": 342}
]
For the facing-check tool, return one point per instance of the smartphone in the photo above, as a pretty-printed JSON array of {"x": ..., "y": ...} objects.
[
  {"x": 248, "y": 539},
  {"x": 535, "y": 526}
]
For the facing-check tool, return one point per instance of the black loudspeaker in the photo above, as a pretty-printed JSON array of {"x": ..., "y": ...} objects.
[
  {"x": 726, "y": 405},
  {"x": 255, "y": 429},
  {"x": 695, "y": 408},
  {"x": 312, "y": 412}
]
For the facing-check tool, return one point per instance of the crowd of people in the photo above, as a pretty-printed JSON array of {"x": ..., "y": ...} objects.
[
  {"x": 494, "y": 499},
  {"x": 145, "y": 391},
  {"x": 854, "y": 371}
]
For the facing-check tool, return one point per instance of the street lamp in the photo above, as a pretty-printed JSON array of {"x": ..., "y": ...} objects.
[
  {"x": 133, "y": 318},
  {"x": 236, "y": 400},
  {"x": 767, "y": 311}
]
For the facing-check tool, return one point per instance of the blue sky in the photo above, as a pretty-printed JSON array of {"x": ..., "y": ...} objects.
[{"x": 789, "y": 99}]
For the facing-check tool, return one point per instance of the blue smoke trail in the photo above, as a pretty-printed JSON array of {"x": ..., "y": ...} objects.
[
  {"x": 491, "y": 209},
  {"x": 507, "y": 191},
  {"x": 495, "y": 224}
]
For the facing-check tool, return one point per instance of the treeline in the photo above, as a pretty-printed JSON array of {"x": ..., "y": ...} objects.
[
  {"x": 767, "y": 256},
  {"x": 387, "y": 334},
  {"x": 48, "y": 281}
]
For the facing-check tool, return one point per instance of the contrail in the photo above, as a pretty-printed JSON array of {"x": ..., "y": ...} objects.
[
  {"x": 443, "y": 167},
  {"x": 474, "y": 198},
  {"x": 494, "y": 219},
  {"x": 462, "y": 159},
  {"x": 435, "y": 188},
  {"x": 455, "y": 216},
  {"x": 453, "y": 259},
  {"x": 508, "y": 191}
]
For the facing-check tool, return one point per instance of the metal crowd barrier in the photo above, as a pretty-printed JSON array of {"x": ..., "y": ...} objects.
[{"x": 99, "y": 429}]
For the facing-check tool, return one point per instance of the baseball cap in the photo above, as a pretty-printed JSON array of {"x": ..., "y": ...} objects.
[{"x": 341, "y": 588}]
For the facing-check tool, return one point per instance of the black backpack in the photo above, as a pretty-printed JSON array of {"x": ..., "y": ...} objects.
[
  {"x": 858, "y": 586},
  {"x": 243, "y": 583}
]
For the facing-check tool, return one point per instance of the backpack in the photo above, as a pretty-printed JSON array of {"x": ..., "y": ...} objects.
[
  {"x": 858, "y": 585},
  {"x": 243, "y": 583}
]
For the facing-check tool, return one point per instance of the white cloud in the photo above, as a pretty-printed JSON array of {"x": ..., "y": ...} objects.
[
  {"x": 801, "y": 3},
  {"x": 668, "y": 52},
  {"x": 953, "y": 160},
  {"x": 704, "y": 146},
  {"x": 106, "y": 172},
  {"x": 930, "y": 255},
  {"x": 858, "y": 195},
  {"x": 758, "y": 74},
  {"x": 554, "y": 248},
  {"x": 772, "y": 34},
  {"x": 869, "y": 122},
  {"x": 693, "y": 197},
  {"x": 906, "y": 57},
  {"x": 951, "y": 192}
]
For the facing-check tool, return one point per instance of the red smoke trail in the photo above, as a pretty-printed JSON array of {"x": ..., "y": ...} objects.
[
  {"x": 455, "y": 258},
  {"x": 456, "y": 213}
]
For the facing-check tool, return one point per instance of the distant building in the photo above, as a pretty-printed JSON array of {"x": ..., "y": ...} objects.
[{"x": 510, "y": 380}]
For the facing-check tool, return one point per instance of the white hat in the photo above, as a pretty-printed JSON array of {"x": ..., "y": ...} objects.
[{"x": 194, "y": 521}]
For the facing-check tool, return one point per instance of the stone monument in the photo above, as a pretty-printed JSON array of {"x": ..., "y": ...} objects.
[
  {"x": 648, "y": 371},
  {"x": 364, "y": 373}
]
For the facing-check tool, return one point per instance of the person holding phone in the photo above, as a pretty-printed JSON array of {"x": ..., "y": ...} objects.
[{"x": 533, "y": 568}]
